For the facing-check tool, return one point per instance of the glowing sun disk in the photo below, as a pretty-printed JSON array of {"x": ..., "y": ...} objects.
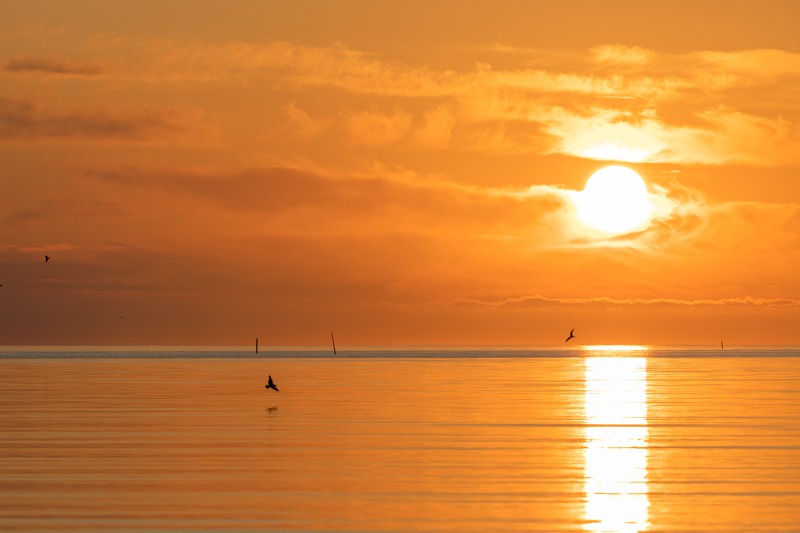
[{"x": 614, "y": 200}]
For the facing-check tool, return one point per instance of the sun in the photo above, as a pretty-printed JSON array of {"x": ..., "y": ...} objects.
[{"x": 614, "y": 201}]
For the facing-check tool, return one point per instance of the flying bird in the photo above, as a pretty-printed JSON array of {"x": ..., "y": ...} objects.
[
  {"x": 571, "y": 335},
  {"x": 270, "y": 385},
  {"x": 46, "y": 258}
]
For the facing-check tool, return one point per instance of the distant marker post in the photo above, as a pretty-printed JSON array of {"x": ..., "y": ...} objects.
[
  {"x": 256, "y": 344},
  {"x": 333, "y": 342}
]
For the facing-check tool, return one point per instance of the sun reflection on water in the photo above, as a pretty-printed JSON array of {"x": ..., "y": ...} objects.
[{"x": 615, "y": 477}]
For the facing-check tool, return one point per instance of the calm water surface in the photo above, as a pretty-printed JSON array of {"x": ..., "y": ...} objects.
[{"x": 676, "y": 440}]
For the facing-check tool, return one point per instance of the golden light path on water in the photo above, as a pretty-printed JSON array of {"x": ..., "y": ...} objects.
[{"x": 615, "y": 472}]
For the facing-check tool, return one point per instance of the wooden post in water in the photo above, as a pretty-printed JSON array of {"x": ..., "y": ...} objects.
[
  {"x": 256, "y": 344},
  {"x": 333, "y": 341}
]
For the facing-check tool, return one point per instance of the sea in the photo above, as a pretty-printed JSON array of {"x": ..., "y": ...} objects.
[{"x": 381, "y": 439}]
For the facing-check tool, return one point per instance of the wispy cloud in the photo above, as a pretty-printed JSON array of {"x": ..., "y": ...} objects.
[
  {"x": 301, "y": 124},
  {"x": 52, "y": 66},
  {"x": 371, "y": 128},
  {"x": 755, "y": 66},
  {"x": 22, "y": 120},
  {"x": 64, "y": 209},
  {"x": 722, "y": 136},
  {"x": 611, "y": 102},
  {"x": 36, "y": 248},
  {"x": 293, "y": 201},
  {"x": 437, "y": 128},
  {"x": 305, "y": 203},
  {"x": 617, "y": 54},
  {"x": 538, "y": 300}
]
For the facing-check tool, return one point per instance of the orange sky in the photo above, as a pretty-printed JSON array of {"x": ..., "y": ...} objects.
[{"x": 401, "y": 173}]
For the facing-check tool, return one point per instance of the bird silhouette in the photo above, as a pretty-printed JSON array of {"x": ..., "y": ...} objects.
[
  {"x": 46, "y": 258},
  {"x": 571, "y": 335},
  {"x": 270, "y": 385}
]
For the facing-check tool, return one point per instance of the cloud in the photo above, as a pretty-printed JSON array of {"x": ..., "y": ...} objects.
[
  {"x": 301, "y": 123},
  {"x": 541, "y": 301},
  {"x": 436, "y": 130},
  {"x": 293, "y": 201},
  {"x": 52, "y": 66},
  {"x": 25, "y": 121},
  {"x": 296, "y": 202},
  {"x": 64, "y": 209},
  {"x": 722, "y": 136},
  {"x": 359, "y": 72},
  {"x": 611, "y": 102},
  {"x": 171, "y": 60},
  {"x": 36, "y": 248},
  {"x": 734, "y": 137},
  {"x": 370, "y": 128},
  {"x": 617, "y": 54},
  {"x": 608, "y": 135},
  {"x": 757, "y": 66}
]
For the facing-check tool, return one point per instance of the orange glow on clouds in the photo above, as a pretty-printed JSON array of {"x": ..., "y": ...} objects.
[{"x": 252, "y": 174}]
